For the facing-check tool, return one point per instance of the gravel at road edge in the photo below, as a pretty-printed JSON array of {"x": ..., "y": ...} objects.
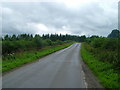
[{"x": 90, "y": 78}]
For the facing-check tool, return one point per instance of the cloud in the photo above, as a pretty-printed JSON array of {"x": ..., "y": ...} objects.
[{"x": 83, "y": 17}]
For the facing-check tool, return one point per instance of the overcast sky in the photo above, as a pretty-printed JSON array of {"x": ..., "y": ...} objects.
[{"x": 78, "y": 17}]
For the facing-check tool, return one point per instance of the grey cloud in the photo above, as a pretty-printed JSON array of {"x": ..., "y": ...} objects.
[{"x": 88, "y": 19}]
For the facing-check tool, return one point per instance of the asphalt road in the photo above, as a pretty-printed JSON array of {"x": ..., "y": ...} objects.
[{"x": 61, "y": 69}]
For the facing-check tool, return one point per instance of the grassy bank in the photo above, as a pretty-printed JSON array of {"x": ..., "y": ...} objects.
[
  {"x": 104, "y": 71},
  {"x": 18, "y": 59}
]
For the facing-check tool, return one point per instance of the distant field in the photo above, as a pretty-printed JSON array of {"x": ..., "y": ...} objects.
[{"x": 19, "y": 59}]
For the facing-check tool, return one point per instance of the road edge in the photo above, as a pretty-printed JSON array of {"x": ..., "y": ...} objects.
[
  {"x": 90, "y": 79},
  {"x": 26, "y": 64}
]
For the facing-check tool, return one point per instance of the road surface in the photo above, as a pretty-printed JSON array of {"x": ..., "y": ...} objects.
[{"x": 61, "y": 69}]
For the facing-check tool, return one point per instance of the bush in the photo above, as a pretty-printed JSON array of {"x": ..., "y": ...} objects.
[
  {"x": 25, "y": 42},
  {"x": 105, "y": 49}
]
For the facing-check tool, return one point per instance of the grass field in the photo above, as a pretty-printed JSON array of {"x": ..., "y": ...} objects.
[
  {"x": 18, "y": 59},
  {"x": 106, "y": 75}
]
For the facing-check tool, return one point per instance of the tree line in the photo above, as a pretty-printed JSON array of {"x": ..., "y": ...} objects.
[
  {"x": 23, "y": 42},
  {"x": 52, "y": 37}
]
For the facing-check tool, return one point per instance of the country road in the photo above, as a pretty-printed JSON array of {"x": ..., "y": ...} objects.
[{"x": 61, "y": 69}]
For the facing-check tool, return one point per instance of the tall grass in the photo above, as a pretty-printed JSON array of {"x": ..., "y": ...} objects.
[
  {"x": 107, "y": 76},
  {"x": 105, "y": 49},
  {"x": 18, "y": 59}
]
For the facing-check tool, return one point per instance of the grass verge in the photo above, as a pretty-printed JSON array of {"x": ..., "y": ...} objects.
[
  {"x": 104, "y": 71},
  {"x": 20, "y": 59}
]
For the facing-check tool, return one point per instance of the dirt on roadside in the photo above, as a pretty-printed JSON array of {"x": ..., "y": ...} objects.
[{"x": 90, "y": 78}]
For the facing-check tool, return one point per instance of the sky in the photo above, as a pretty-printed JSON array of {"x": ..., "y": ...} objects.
[{"x": 76, "y": 17}]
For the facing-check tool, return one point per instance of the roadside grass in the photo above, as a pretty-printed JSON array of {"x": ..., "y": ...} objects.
[
  {"x": 0, "y": 65},
  {"x": 104, "y": 71},
  {"x": 19, "y": 59}
]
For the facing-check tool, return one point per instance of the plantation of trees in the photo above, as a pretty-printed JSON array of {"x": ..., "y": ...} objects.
[{"x": 23, "y": 42}]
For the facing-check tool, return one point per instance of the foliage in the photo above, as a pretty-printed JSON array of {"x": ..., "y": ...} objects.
[
  {"x": 105, "y": 49},
  {"x": 103, "y": 57},
  {"x": 107, "y": 76},
  {"x": 18, "y": 59},
  {"x": 23, "y": 42},
  {"x": 55, "y": 37},
  {"x": 114, "y": 34}
]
